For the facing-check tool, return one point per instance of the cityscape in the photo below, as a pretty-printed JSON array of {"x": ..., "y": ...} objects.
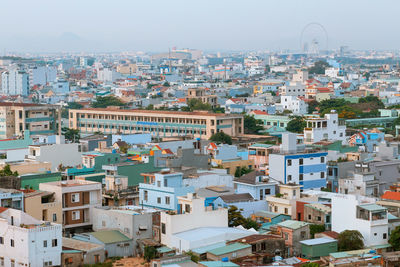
[{"x": 199, "y": 134}]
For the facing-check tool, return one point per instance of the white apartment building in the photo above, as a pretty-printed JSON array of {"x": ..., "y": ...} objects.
[
  {"x": 15, "y": 82},
  {"x": 293, "y": 103},
  {"x": 287, "y": 203},
  {"x": 293, "y": 89},
  {"x": 79, "y": 198},
  {"x": 26, "y": 241},
  {"x": 327, "y": 128},
  {"x": 351, "y": 212},
  {"x": 191, "y": 209}
]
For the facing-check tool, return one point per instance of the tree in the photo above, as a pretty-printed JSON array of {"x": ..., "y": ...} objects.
[
  {"x": 316, "y": 228},
  {"x": 235, "y": 218},
  {"x": 74, "y": 105},
  {"x": 193, "y": 257},
  {"x": 6, "y": 171},
  {"x": 310, "y": 264},
  {"x": 394, "y": 239},
  {"x": 149, "y": 253},
  {"x": 319, "y": 67},
  {"x": 242, "y": 171},
  {"x": 221, "y": 137},
  {"x": 312, "y": 105},
  {"x": 166, "y": 84},
  {"x": 197, "y": 104},
  {"x": 372, "y": 99},
  {"x": 252, "y": 125},
  {"x": 71, "y": 134},
  {"x": 350, "y": 240},
  {"x": 150, "y": 107},
  {"x": 296, "y": 125},
  {"x": 103, "y": 102}
]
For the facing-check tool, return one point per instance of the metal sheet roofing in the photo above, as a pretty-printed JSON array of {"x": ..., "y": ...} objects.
[
  {"x": 111, "y": 236},
  {"x": 317, "y": 241},
  {"x": 228, "y": 249}
]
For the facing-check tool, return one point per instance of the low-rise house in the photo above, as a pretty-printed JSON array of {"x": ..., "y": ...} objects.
[
  {"x": 361, "y": 214},
  {"x": 268, "y": 218},
  {"x": 115, "y": 243},
  {"x": 313, "y": 249},
  {"x": 78, "y": 199},
  {"x": 257, "y": 184},
  {"x": 244, "y": 202},
  {"x": 327, "y": 128},
  {"x": 43, "y": 205},
  {"x": 317, "y": 213},
  {"x": 259, "y": 154},
  {"x": 217, "y": 264},
  {"x": 284, "y": 201},
  {"x": 133, "y": 221},
  {"x": 161, "y": 190},
  {"x": 293, "y": 232},
  {"x": 231, "y": 251},
  {"x": 26, "y": 241},
  {"x": 363, "y": 182},
  {"x": 266, "y": 246},
  {"x": 89, "y": 252},
  {"x": 11, "y": 198}
]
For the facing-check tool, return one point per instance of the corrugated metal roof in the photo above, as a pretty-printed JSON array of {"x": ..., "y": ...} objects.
[
  {"x": 292, "y": 224},
  {"x": 111, "y": 236},
  {"x": 228, "y": 249}
]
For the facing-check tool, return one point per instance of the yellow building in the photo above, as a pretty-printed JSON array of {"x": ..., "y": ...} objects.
[
  {"x": 232, "y": 165},
  {"x": 43, "y": 206},
  {"x": 159, "y": 123}
]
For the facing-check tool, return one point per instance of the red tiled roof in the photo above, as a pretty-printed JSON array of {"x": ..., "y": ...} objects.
[
  {"x": 2, "y": 209},
  {"x": 259, "y": 112},
  {"x": 391, "y": 195}
]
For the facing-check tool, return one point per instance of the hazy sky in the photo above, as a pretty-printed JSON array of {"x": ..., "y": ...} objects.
[{"x": 149, "y": 25}]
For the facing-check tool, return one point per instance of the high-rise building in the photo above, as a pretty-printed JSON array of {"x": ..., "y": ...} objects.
[{"x": 15, "y": 82}]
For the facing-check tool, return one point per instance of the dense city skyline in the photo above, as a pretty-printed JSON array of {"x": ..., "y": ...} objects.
[{"x": 221, "y": 25}]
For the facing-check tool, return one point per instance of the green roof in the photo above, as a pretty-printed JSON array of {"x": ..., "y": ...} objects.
[
  {"x": 292, "y": 224},
  {"x": 372, "y": 207},
  {"x": 164, "y": 249},
  {"x": 111, "y": 236},
  {"x": 261, "y": 145},
  {"x": 228, "y": 249},
  {"x": 218, "y": 264}
]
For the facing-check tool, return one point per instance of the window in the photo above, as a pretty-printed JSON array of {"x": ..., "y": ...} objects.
[
  {"x": 309, "y": 216},
  {"x": 12, "y": 242},
  {"x": 76, "y": 215},
  {"x": 165, "y": 183},
  {"x": 301, "y": 177},
  {"x": 159, "y": 200},
  {"x": 163, "y": 228},
  {"x": 1, "y": 240},
  {"x": 167, "y": 200},
  {"x": 75, "y": 198},
  {"x": 276, "y": 209},
  {"x": 384, "y": 235},
  {"x": 158, "y": 183},
  {"x": 289, "y": 162},
  {"x": 322, "y": 159},
  {"x": 303, "y": 234},
  {"x": 187, "y": 208},
  {"x": 12, "y": 263},
  {"x": 319, "y": 218},
  {"x": 54, "y": 243},
  {"x": 45, "y": 243},
  {"x": 267, "y": 191},
  {"x": 146, "y": 195},
  {"x": 322, "y": 175},
  {"x": 301, "y": 161},
  {"x": 96, "y": 258},
  {"x": 289, "y": 177},
  {"x": 1, "y": 261},
  {"x": 286, "y": 211},
  {"x": 54, "y": 217}
]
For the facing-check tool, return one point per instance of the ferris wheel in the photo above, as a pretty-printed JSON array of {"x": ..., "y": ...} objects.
[{"x": 313, "y": 39}]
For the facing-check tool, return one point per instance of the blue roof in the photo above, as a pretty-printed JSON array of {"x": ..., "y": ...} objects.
[{"x": 202, "y": 250}]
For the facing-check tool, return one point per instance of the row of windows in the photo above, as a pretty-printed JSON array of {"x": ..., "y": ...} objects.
[
  {"x": 301, "y": 176},
  {"x": 301, "y": 161},
  {"x": 167, "y": 200},
  {"x": 54, "y": 242},
  {"x": 141, "y": 118},
  {"x": 140, "y": 128}
]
